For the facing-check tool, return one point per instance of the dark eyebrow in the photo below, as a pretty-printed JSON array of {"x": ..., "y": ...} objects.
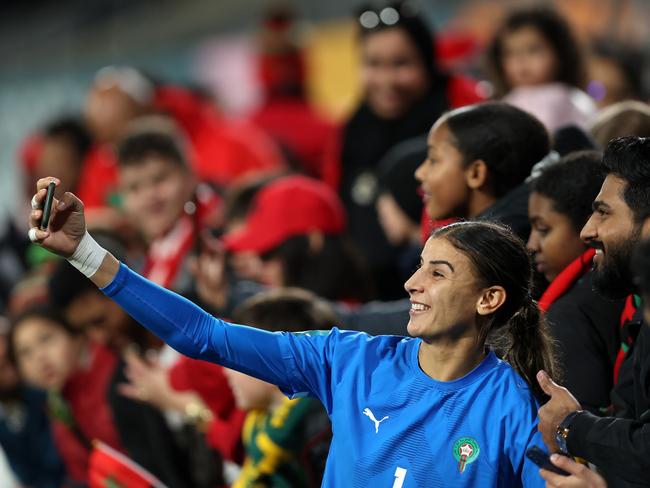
[
  {"x": 599, "y": 205},
  {"x": 440, "y": 261}
]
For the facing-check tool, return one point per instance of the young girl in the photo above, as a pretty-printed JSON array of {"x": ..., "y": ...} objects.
[
  {"x": 585, "y": 324},
  {"x": 536, "y": 65},
  {"x": 439, "y": 408},
  {"x": 53, "y": 356},
  {"x": 477, "y": 161}
]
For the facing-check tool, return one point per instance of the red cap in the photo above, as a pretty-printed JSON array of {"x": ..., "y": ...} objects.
[{"x": 287, "y": 207}]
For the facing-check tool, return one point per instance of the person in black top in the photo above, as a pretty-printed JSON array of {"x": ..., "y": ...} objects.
[
  {"x": 404, "y": 92},
  {"x": 618, "y": 446}
]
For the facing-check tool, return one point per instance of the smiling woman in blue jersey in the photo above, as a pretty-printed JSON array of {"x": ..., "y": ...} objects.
[{"x": 437, "y": 409}]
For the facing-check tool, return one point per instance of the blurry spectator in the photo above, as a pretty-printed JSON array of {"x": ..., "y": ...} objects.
[
  {"x": 629, "y": 118},
  {"x": 48, "y": 352},
  {"x": 65, "y": 144},
  {"x": 59, "y": 148},
  {"x": 80, "y": 378},
  {"x": 476, "y": 164},
  {"x": 584, "y": 324},
  {"x": 296, "y": 227},
  {"x": 615, "y": 72},
  {"x": 535, "y": 64},
  {"x": 25, "y": 434},
  {"x": 285, "y": 112},
  {"x": 286, "y": 441},
  {"x": 399, "y": 205},
  {"x": 221, "y": 151},
  {"x": 13, "y": 258},
  {"x": 404, "y": 92},
  {"x": 162, "y": 199},
  {"x": 570, "y": 138},
  {"x": 618, "y": 447},
  {"x": 93, "y": 314}
]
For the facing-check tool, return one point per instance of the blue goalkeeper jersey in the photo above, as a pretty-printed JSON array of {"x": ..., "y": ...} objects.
[{"x": 393, "y": 425}]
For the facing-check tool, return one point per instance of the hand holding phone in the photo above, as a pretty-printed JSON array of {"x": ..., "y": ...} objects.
[
  {"x": 543, "y": 460},
  {"x": 47, "y": 206}
]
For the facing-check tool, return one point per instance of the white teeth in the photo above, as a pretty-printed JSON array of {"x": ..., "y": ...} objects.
[
  {"x": 418, "y": 307},
  {"x": 599, "y": 251}
]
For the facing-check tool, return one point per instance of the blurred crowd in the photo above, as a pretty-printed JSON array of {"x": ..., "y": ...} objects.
[{"x": 286, "y": 220}]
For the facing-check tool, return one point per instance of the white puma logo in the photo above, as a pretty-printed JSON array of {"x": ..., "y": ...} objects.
[{"x": 368, "y": 413}]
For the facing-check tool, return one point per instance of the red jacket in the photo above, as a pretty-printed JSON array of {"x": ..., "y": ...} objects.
[{"x": 209, "y": 381}]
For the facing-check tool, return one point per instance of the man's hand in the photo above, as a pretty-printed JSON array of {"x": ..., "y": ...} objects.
[
  {"x": 553, "y": 412},
  {"x": 67, "y": 224},
  {"x": 148, "y": 382},
  {"x": 580, "y": 475}
]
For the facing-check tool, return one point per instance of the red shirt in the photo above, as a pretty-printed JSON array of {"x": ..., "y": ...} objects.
[
  {"x": 295, "y": 124},
  {"x": 86, "y": 393}
]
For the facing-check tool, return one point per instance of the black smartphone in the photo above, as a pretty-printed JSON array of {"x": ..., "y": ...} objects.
[
  {"x": 47, "y": 206},
  {"x": 543, "y": 460}
]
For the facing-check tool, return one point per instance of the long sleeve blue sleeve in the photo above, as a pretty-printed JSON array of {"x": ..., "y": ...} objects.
[{"x": 270, "y": 356}]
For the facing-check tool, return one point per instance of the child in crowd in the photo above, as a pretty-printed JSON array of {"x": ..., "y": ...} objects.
[
  {"x": 585, "y": 324},
  {"x": 535, "y": 64},
  {"x": 25, "y": 433},
  {"x": 80, "y": 378},
  {"x": 162, "y": 199},
  {"x": 286, "y": 441},
  {"x": 476, "y": 164},
  {"x": 615, "y": 72},
  {"x": 629, "y": 118}
]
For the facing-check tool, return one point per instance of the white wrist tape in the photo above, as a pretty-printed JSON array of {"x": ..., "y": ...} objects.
[{"x": 88, "y": 256}]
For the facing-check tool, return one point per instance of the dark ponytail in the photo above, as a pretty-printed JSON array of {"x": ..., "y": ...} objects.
[
  {"x": 517, "y": 331},
  {"x": 526, "y": 343}
]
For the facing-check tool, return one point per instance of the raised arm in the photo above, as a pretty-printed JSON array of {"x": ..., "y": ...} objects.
[{"x": 295, "y": 364}]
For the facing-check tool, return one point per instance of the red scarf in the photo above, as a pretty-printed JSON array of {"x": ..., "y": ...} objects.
[{"x": 566, "y": 279}]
